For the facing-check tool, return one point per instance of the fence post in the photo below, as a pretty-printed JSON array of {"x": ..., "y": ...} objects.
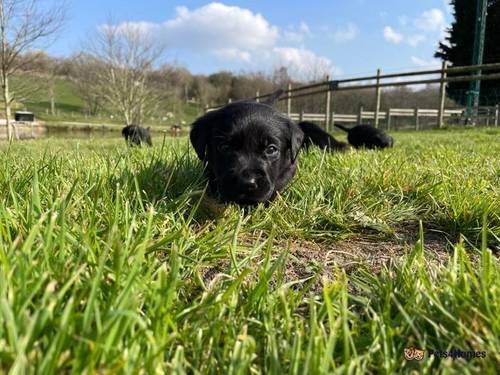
[
  {"x": 497, "y": 114},
  {"x": 332, "y": 121},
  {"x": 378, "y": 93},
  {"x": 327, "y": 105},
  {"x": 206, "y": 108},
  {"x": 488, "y": 114},
  {"x": 289, "y": 101},
  {"x": 257, "y": 96},
  {"x": 301, "y": 116},
  {"x": 360, "y": 115},
  {"x": 229, "y": 101},
  {"x": 442, "y": 93},
  {"x": 389, "y": 119},
  {"x": 417, "y": 119}
]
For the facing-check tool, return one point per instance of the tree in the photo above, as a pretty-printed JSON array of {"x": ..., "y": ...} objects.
[
  {"x": 174, "y": 80},
  {"x": 281, "y": 78},
  {"x": 222, "y": 82},
  {"x": 457, "y": 48},
  {"x": 86, "y": 71},
  {"x": 128, "y": 55},
  {"x": 246, "y": 86},
  {"x": 24, "y": 25},
  {"x": 203, "y": 90}
]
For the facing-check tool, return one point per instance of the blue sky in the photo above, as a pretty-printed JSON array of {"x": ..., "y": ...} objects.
[{"x": 312, "y": 37}]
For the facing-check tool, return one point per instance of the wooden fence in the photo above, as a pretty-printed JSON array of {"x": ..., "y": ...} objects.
[
  {"x": 490, "y": 115},
  {"x": 377, "y": 83}
]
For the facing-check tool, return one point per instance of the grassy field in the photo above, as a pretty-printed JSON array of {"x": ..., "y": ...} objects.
[
  {"x": 112, "y": 260},
  {"x": 71, "y": 108}
]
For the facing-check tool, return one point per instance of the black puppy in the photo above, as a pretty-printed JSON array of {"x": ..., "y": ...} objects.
[
  {"x": 136, "y": 135},
  {"x": 367, "y": 136},
  {"x": 314, "y": 135},
  {"x": 250, "y": 150}
]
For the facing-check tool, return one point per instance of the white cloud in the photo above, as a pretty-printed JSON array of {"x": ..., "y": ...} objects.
[
  {"x": 415, "y": 40},
  {"x": 298, "y": 34},
  {"x": 392, "y": 36},
  {"x": 219, "y": 27},
  {"x": 349, "y": 32},
  {"x": 233, "y": 54},
  {"x": 304, "y": 28},
  {"x": 431, "y": 20},
  {"x": 303, "y": 63},
  {"x": 293, "y": 37},
  {"x": 425, "y": 63},
  {"x": 237, "y": 35}
]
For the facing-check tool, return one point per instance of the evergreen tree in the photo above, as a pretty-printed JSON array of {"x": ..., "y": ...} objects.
[{"x": 458, "y": 47}]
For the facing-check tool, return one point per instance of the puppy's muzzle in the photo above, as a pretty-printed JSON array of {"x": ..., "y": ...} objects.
[
  {"x": 248, "y": 185},
  {"x": 250, "y": 180}
]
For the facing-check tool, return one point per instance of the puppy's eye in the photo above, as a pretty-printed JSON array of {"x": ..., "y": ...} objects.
[
  {"x": 223, "y": 148},
  {"x": 271, "y": 150}
]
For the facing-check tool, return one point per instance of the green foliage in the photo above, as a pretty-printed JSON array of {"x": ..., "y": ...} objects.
[
  {"x": 112, "y": 260},
  {"x": 458, "y": 48}
]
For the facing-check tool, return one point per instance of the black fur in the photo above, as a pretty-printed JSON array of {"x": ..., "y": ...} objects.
[
  {"x": 137, "y": 135},
  {"x": 367, "y": 136},
  {"x": 250, "y": 151},
  {"x": 315, "y": 136}
]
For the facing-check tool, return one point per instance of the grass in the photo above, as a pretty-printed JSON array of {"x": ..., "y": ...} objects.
[{"x": 113, "y": 261}]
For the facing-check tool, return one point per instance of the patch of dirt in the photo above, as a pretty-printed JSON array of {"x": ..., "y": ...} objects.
[
  {"x": 355, "y": 252},
  {"x": 320, "y": 260}
]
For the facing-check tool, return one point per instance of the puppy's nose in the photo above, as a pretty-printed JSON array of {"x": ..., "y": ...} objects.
[
  {"x": 249, "y": 179},
  {"x": 249, "y": 183}
]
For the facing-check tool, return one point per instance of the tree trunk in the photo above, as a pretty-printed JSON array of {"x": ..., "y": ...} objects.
[
  {"x": 52, "y": 100},
  {"x": 127, "y": 117},
  {"x": 6, "y": 98}
]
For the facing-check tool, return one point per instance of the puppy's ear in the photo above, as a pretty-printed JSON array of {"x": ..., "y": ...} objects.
[
  {"x": 200, "y": 135},
  {"x": 273, "y": 99},
  {"x": 296, "y": 140}
]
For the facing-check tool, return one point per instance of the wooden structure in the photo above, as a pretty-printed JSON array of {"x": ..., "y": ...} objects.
[
  {"x": 380, "y": 81},
  {"x": 24, "y": 116}
]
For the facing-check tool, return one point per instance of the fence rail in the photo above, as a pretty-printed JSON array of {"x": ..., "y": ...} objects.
[
  {"x": 378, "y": 82},
  {"x": 417, "y": 114}
]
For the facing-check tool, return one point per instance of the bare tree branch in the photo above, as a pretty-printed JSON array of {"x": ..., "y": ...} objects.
[
  {"x": 127, "y": 57},
  {"x": 24, "y": 25}
]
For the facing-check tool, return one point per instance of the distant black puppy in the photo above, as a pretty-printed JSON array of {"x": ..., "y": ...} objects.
[
  {"x": 250, "y": 150},
  {"x": 136, "y": 135},
  {"x": 314, "y": 135},
  {"x": 367, "y": 136}
]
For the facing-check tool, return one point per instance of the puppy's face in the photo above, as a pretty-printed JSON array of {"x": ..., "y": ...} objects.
[{"x": 250, "y": 151}]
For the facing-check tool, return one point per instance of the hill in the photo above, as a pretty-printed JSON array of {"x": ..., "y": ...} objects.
[{"x": 70, "y": 107}]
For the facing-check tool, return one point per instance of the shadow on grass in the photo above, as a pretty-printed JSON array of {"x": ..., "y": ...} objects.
[
  {"x": 169, "y": 180},
  {"x": 170, "y": 183}
]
